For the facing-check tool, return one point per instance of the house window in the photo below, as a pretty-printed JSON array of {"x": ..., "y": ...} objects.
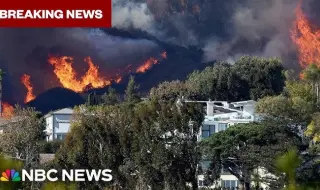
[
  {"x": 200, "y": 183},
  {"x": 222, "y": 126},
  {"x": 230, "y": 184},
  {"x": 207, "y": 130},
  {"x": 61, "y": 136}
]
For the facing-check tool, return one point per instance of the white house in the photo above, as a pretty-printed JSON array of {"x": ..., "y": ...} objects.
[
  {"x": 221, "y": 115},
  {"x": 58, "y": 123}
]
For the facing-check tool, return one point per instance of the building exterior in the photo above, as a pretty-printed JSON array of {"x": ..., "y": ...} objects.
[
  {"x": 219, "y": 116},
  {"x": 58, "y": 124}
]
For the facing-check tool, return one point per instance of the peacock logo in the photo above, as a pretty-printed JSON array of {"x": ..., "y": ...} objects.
[{"x": 10, "y": 175}]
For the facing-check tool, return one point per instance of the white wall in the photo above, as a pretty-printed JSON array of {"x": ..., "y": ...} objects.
[
  {"x": 62, "y": 123},
  {"x": 49, "y": 127},
  {"x": 58, "y": 123}
]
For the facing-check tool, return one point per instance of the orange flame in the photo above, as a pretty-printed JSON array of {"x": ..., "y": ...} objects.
[
  {"x": 25, "y": 79},
  {"x": 67, "y": 75},
  {"x": 7, "y": 110},
  {"x": 306, "y": 39},
  {"x": 149, "y": 63}
]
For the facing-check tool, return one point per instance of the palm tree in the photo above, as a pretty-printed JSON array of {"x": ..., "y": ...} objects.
[{"x": 1, "y": 77}]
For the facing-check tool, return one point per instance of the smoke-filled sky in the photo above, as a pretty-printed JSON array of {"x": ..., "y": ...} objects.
[{"x": 223, "y": 29}]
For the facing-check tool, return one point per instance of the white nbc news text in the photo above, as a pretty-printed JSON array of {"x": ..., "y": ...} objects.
[{"x": 66, "y": 175}]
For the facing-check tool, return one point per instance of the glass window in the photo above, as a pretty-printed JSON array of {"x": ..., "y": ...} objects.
[
  {"x": 227, "y": 184},
  {"x": 233, "y": 183},
  {"x": 222, "y": 126},
  {"x": 200, "y": 183},
  {"x": 212, "y": 129},
  {"x": 61, "y": 136},
  {"x": 207, "y": 130},
  {"x": 205, "y": 134},
  {"x": 230, "y": 184},
  {"x": 205, "y": 127}
]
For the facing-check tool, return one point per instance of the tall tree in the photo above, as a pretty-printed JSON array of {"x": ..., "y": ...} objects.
[
  {"x": 265, "y": 77},
  {"x": 131, "y": 93},
  {"x": 165, "y": 144},
  {"x": 147, "y": 144},
  {"x": 170, "y": 90},
  {"x": 111, "y": 97},
  {"x": 22, "y": 136},
  {"x": 21, "y": 139}
]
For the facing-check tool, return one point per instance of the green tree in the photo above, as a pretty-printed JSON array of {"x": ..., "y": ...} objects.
[
  {"x": 93, "y": 99},
  {"x": 264, "y": 76},
  {"x": 94, "y": 142},
  {"x": 312, "y": 75},
  {"x": 218, "y": 82},
  {"x": 297, "y": 103},
  {"x": 165, "y": 138},
  {"x": 289, "y": 164},
  {"x": 23, "y": 135},
  {"x": 170, "y": 90},
  {"x": 111, "y": 97},
  {"x": 131, "y": 93},
  {"x": 21, "y": 139},
  {"x": 147, "y": 144},
  {"x": 249, "y": 77},
  {"x": 245, "y": 147}
]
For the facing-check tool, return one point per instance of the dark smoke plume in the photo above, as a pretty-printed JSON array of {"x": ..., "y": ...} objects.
[{"x": 224, "y": 29}]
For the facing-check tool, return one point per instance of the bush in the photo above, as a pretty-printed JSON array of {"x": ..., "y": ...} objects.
[{"x": 50, "y": 147}]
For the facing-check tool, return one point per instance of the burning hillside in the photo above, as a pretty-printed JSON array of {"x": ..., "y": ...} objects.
[{"x": 67, "y": 75}]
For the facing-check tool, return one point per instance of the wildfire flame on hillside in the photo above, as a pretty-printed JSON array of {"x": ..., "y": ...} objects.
[
  {"x": 25, "y": 79},
  {"x": 7, "y": 110},
  {"x": 149, "y": 63},
  {"x": 67, "y": 75},
  {"x": 306, "y": 38}
]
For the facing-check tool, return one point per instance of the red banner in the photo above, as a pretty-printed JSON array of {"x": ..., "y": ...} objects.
[{"x": 55, "y": 13}]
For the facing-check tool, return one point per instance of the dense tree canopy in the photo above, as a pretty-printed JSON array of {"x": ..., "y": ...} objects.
[
  {"x": 248, "y": 78},
  {"x": 145, "y": 145},
  {"x": 245, "y": 147}
]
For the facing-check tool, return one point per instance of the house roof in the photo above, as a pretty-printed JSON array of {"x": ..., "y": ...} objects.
[
  {"x": 249, "y": 102},
  {"x": 61, "y": 111}
]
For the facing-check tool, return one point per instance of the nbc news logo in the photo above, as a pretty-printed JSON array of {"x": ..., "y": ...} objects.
[
  {"x": 10, "y": 175},
  {"x": 52, "y": 175}
]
